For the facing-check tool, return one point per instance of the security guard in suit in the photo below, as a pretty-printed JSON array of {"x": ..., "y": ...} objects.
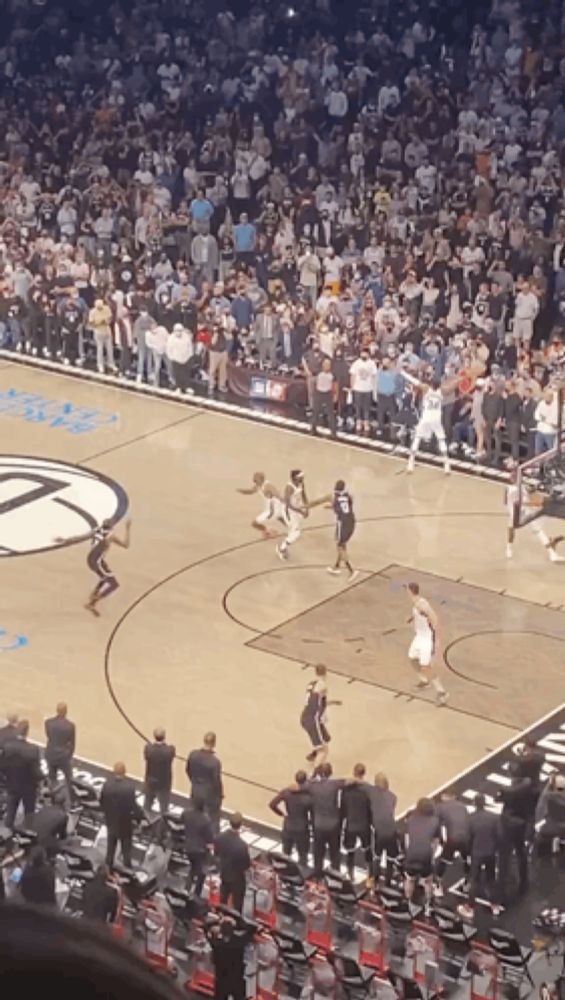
[
  {"x": 23, "y": 773},
  {"x": 233, "y": 856},
  {"x": 121, "y": 810},
  {"x": 204, "y": 771},
  {"x": 159, "y": 757},
  {"x": 60, "y": 747}
]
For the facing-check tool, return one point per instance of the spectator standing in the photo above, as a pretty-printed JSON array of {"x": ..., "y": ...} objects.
[
  {"x": 159, "y": 757},
  {"x": 356, "y": 815},
  {"x": 60, "y": 746},
  {"x": 267, "y": 333},
  {"x": 363, "y": 375},
  {"x": 324, "y": 398},
  {"x": 525, "y": 312},
  {"x": 513, "y": 418},
  {"x": 204, "y": 771},
  {"x": 547, "y": 421},
  {"x": 179, "y": 350},
  {"x": 234, "y": 861},
  {"x": 422, "y": 837},
  {"x": 218, "y": 357},
  {"x": 99, "y": 320},
  {"x": 245, "y": 240},
  {"x": 120, "y": 808},
  {"x": 493, "y": 415}
]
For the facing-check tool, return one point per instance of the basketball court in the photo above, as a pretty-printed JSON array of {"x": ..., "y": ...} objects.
[{"x": 209, "y": 630}]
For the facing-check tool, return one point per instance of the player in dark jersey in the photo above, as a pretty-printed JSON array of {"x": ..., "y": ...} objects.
[
  {"x": 341, "y": 502},
  {"x": 101, "y": 538},
  {"x": 313, "y": 717}
]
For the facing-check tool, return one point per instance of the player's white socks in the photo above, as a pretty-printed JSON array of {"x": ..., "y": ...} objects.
[
  {"x": 410, "y": 466},
  {"x": 554, "y": 556},
  {"x": 509, "y": 551}
]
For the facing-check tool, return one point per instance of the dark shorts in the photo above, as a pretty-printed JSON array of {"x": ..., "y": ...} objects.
[
  {"x": 362, "y": 403},
  {"x": 344, "y": 530},
  {"x": 315, "y": 729}
]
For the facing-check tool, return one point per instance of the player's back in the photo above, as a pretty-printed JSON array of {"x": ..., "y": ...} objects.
[{"x": 343, "y": 505}]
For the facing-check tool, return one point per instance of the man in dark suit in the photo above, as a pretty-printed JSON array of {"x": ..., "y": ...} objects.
[
  {"x": 159, "y": 757},
  {"x": 198, "y": 841},
  {"x": 233, "y": 856},
  {"x": 120, "y": 809},
  {"x": 204, "y": 771},
  {"x": 23, "y": 773},
  {"x": 50, "y": 821},
  {"x": 61, "y": 739},
  {"x": 7, "y": 733}
]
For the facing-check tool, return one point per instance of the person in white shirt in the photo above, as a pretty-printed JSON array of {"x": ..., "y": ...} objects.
[
  {"x": 179, "y": 350},
  {"x": 363, "y": 380},
  {"x": 525, "y": 311},
  {"x": 331, "y": 266},
  {"x": 547, "y": 421},
  {"x": 336, "y": 101}
]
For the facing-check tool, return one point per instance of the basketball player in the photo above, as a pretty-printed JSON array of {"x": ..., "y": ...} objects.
[
  {"x": 341, "y": 502},
  {"x": 519, "y": 501},
  {"x": 272, "y": 509},
  {"x": 101, "y": 539},
  {"x": 430, "y": 423},
  {"x": 422, "y": 647},
  {"x": 295, "y": 509},
  {"x": 313, "y": 717}
]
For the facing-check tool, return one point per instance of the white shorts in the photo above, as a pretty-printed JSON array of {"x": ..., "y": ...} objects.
[
  {"x": 427, "y": 429},
  {"x": 422, "y": 649},
  {"x": 272, "y": 510}
]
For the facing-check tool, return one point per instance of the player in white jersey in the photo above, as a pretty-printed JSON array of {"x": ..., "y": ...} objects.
[
  {"x": 430, "y": 423},
  {"x": 295, "y": 509},
  {"x": 272, "y": 508},
  {"x": 423, "y": 646},
  {"x": 521, "y": 506}
]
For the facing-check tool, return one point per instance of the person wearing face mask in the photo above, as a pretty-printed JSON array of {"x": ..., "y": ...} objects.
[
  {"x": 363, "y": 375},
  {"x": 141, "y": 327},
  {"x": 312, "y": 366},
  {"x": 340, "y": 368}
]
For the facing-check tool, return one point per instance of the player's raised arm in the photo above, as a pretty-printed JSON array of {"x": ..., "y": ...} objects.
[
  {"x": 258, "y": 481},
  {"x": 87, "y": 536},
  {"x": 124, "y": 542}
]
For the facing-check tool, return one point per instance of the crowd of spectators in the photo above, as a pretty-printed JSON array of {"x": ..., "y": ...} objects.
[{"x": 185, "y": 185}]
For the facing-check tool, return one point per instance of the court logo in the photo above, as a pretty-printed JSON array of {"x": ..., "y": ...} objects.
[
  {"x": 9, "y": 641},
  {"x": 42, "y": 500}
]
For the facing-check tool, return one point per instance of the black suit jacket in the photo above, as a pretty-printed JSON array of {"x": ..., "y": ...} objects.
[
  {"x": 119, "y": 805},
  {"x": 205, "y": 773},
  {"x": 61, "y": 737},
  {"x": 22, "y": 765},
  {"x": 233, "y": 855},
  {"x": 198, "y": 833},
  {"x": 159, "y": 759}
]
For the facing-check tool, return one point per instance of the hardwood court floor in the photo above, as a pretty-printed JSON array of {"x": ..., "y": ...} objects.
[{"x": 210, "y": 630}]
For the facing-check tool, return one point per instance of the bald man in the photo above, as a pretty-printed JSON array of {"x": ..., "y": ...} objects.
[
  {"x": 159, "y": 757},
  {"x": 121, "y": 810},
  {"x": 60, "y": 748},
  {"x": 204, "y": 771}
]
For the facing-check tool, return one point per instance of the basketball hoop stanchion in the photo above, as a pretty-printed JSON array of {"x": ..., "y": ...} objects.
[
  {"x": 372, "y": 930},
  {"x": 423, "y": 945},
  {"x": 483, "y": 965},
  {"x": 319, "y": 916}
]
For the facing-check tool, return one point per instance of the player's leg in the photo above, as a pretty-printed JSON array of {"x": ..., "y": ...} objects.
[
  {"x": 427, "y": 653},
  {"x": 442, "y": 445},
  {"x": 260, "y": 522},
  {"x": 106, "y": 585},
  {"x": 414, "y": 447},
  {"x": 294, "y": 525},
  {"x": 548, "y": 543}
]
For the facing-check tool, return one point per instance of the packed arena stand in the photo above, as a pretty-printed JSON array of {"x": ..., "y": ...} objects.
[{"x": 193, "y": 193}]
